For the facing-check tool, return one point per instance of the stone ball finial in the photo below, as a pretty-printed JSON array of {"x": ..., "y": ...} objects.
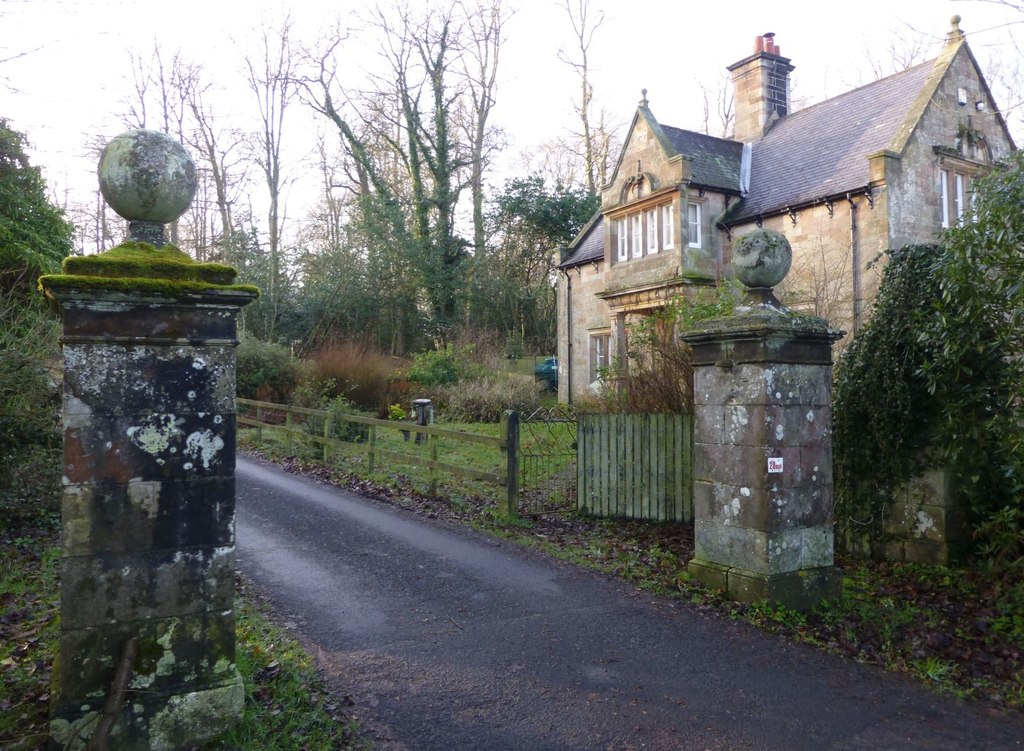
[
  {"x": 955, "y": 21},
  {"x": 148, "y": 178},
  {"x": 762, "y": 258}
]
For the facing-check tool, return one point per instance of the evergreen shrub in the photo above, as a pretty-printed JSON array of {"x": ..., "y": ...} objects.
[
  {"x": 443, "y": 366},
  {"x": 936, "y": 378},
  {"x": 266, "y": 370}
]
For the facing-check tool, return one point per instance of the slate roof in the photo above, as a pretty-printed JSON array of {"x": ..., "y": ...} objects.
[
  {"x": 818, "y": 152},
  {"x": 822, "y": 150},
  {"x": 715, "y": 162},
  {"x": 589, "y": 247}
]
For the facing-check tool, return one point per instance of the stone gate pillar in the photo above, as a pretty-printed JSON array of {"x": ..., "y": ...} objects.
[
  {"x": 763, "y": 504},
  {"x": 147, "y": 568}
]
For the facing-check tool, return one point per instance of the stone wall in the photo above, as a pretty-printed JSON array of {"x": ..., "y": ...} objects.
[
  {"x": 828, "y": 266},
  {"x": 916, "y": 216},
  {"x": 924, "y": 523},
  {"x": 589, "y": 316}
]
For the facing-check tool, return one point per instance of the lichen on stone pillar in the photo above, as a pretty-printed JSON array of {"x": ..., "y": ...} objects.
[
  {"x": 149, "y": 434},
  {"x": 762, "y": 445},
  {"x": 149, "y": 179}
]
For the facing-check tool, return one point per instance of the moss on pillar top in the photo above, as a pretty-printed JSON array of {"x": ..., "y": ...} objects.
[{"x": 140, "y": 267}]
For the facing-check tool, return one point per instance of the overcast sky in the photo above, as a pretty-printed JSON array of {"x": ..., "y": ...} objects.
[{"x": 70, "y": 76}]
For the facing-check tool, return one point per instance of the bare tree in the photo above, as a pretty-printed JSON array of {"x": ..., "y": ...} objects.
[
  {"x": 159, "y": 81},
  {"x": 904, "y": 49},
  {"x": 376, "y": 170},
  {"x": 719, "y": 108},
  {"x": 584, "y": 26},
  {"x": 219, "y": 150},
  {"x": 482, "y": 44},
  {"x": 557, "y": 161},
  {"x": 1005, "y": 75},
  {"x": 271, "y": 78}
]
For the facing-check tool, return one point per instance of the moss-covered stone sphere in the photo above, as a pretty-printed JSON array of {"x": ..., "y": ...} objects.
[
  {"x": 762, "y": 258},
  {"x": 147, "y": 176}
]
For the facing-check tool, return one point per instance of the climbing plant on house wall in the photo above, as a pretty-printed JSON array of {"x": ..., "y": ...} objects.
[
  {"x": 936, "y": 377},
  {"x": 658, "y": 374}
]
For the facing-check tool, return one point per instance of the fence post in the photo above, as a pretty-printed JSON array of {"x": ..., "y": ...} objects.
[
  {"x": 510, "y": 425},
  {"x": 327, "y": 435},
  {"x": 433, "y": 463},
  {"x": 288, "y": 428},
  {"x": 373, "y": 445},
  {"x": 259, "y": 428}
]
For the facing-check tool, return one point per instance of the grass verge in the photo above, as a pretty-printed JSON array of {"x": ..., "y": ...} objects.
[{"x": 287, "y": 705}]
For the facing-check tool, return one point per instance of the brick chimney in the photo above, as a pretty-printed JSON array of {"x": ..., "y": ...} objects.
[{"x": 761, "y": 86}]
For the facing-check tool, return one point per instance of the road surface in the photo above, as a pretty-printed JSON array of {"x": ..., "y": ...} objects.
[{"x": 447, "y": 639}]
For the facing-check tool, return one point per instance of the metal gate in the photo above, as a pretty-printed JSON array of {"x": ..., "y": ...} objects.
[{"x": 547, "y": 460}]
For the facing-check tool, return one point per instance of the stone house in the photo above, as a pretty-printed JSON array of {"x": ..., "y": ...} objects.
[{"x": 884, "y": 165}]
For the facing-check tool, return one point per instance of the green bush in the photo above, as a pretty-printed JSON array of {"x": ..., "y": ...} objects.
[
  {"x": 884, "y": 418},
  {"x": 29, "y": 411},
  {"x": 486, "y": 399},
  {"x": 936, "y": 378},
  {"x": 34, "y": 237},
  {"x": 443, "y": 366},
  {"x": 266, "y": 370}
]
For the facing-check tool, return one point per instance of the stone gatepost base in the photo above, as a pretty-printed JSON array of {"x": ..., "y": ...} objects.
[
  {"x": 763, "y": 503},
  {"x": 799, "y": 590},
  {"x": 147, "y": 642}
]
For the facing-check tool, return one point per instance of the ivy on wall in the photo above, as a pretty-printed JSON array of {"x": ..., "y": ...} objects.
[{"x": 936, "y": 376}]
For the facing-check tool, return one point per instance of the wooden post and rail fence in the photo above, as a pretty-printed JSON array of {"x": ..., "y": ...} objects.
[
  {"x": 267, "y": 415},
  {"x": 635, "y": 466}
]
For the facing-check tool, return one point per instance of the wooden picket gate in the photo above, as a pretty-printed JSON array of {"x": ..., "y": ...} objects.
[{"x": 635, "y": 466}]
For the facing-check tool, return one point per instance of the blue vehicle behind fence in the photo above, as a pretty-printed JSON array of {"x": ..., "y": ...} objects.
[{"x": 546, "y": 371}]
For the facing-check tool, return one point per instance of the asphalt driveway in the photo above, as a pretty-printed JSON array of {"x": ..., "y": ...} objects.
[{"x": 448, "y": 639}]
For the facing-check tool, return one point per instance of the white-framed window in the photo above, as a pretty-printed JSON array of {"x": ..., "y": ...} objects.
[
  {"x": 959, "y": 198},
  {"x": 668, "y": 228},
  {"x": 599, "y": 355},
  {"x": 645, "y": 232},
  {"x": 955, "y": 194},
  {"x": 693, "y": 215},
  {"x": 944, "y": 196},
  {"x": 652, "y": 230}
]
